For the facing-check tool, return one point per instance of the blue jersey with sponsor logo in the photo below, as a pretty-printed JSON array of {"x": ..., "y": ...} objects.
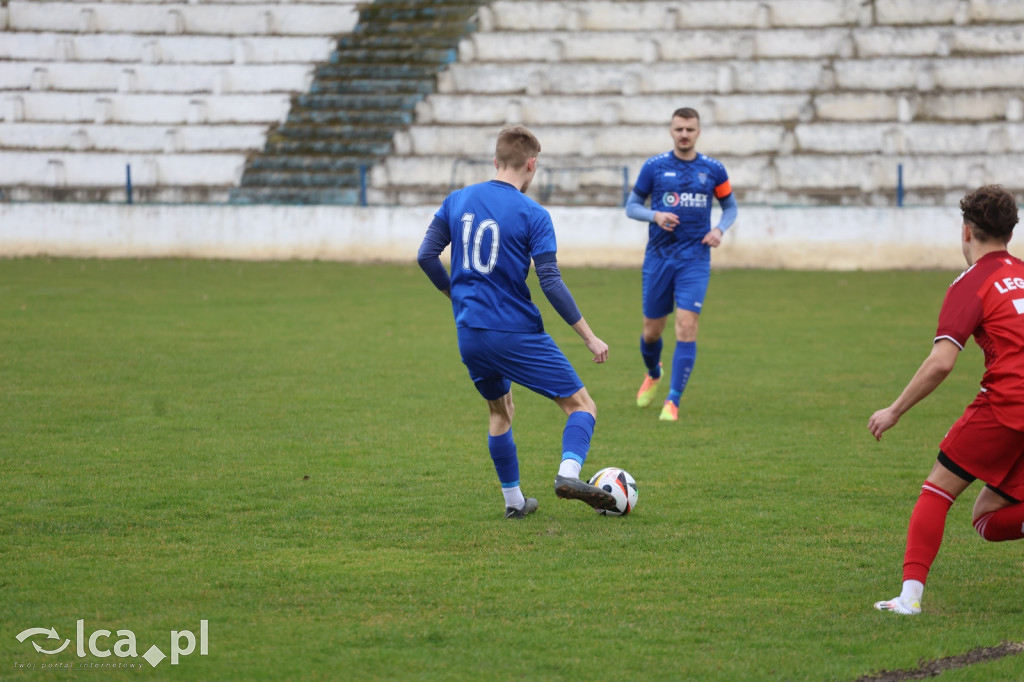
[
  {"x": 687, "y": 189},
  {"x": 495, "y": 231}
]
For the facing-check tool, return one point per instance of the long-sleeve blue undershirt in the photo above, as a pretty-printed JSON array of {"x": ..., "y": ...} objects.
[
  {"x": 729, "y": 212},
  {"x": 554, "y": 288},
  {"x": 548, "y": 274},
  {"x": 429, "y": 256},
  {"x": 636, "y": 210}
]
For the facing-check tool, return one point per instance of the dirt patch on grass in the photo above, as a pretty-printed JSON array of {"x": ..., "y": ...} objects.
[{"x": 934, "y": 668}]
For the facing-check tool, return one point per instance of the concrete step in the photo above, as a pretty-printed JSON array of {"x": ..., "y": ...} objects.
[
  {"x": 209, "y": 18},
  {"x": 294, "y": 195},
  {"x": 163, "y": 49},
  {"x": 355, "y": 133},
  {"x": 375, "y": 70},
  {"x": 299, "y": 163},
  {"x": 377, "y": 86},
  {"x": 107, "y": 169},
  {"x": 108, "y": 108},
  {"x": 390, "y": 41},
  {"x": 299, "y": 115},
  {"x": 394, "y": 55},
  {"x": 299, "y": 179},
  {"x": 383, "y": 12},
  {"x": 340, "y": 146},
  {"x": 131, "y": 138},
  {"x": 337, "y": 102},
  {"x": 154, "y": 78}
]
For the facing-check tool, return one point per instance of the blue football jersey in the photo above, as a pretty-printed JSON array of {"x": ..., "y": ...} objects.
[
  {"x": 495, "y": 231},
  {"x": 685, "y": 188}
]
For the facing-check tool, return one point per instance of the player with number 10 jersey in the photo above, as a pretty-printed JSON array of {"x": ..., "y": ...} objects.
[
  {"x": 488, "y": 283},
  {"x": 495, "y": 231}
]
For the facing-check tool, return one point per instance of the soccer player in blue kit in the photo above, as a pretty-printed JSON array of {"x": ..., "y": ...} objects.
[
  {"x": 495, "y": 230},
  {"x": 677, "y": 262}
]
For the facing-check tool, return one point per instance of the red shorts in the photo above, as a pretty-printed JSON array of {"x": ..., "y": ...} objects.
[{"x": 986, "y": 449}]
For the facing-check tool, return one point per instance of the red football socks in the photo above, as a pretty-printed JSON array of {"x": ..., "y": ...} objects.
[
  {"x": 924, "y": 536},
  {"x": 1003, "y": 524}
]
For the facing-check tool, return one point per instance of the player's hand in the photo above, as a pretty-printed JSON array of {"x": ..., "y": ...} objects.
[
  {"x": 882, "y": 421},
  {"x": 713, "y": 238},
  {"x": 599, "y": 348},
  {"x": 666, "y": 221}
]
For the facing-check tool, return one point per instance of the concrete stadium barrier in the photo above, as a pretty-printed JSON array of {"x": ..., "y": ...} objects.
[{"x": 853, "y": 238}]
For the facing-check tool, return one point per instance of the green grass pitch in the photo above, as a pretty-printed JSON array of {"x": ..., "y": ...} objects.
[{"x": 293, "y": 453}]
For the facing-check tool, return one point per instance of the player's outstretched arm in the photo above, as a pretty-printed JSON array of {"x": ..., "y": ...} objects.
[
  {"x": 595, "y": 345},
  {"x": 558, "y": 295},
  {"x": 561, "y": 300},
  {"x": 932, "y": 372}
]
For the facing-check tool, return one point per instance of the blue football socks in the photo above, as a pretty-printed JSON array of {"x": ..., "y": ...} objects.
[
  {"x": 506, "y": 462},
  {"x": 579, "y": 427},
  {"x": 651, "y": 353},
  {"x": 682, "y": 365}
]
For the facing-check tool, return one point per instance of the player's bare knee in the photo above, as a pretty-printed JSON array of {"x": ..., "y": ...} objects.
[
  {"x": 587, "y": 404},
  {"x": 653, "y": 328},
  {"x": 686, "y": 330},
  {"x": 502, "y": 409},
  {"x": 578, "y": 402},
  {"x": 510, "y": 409}
]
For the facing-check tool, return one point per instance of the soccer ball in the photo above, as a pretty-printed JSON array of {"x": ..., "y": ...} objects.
[{"x": 621, "y": 485}]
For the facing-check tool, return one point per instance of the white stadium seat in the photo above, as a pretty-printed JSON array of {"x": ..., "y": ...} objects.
[
  {"x": 590, "y": 78},
  {"x": 162, "y": 49},
  {"x": 642, "y": 16},
  {"x": 131, "y": 138},
  {"x": 105, "y": 169},
  {"x": 144, "y": 108},
  {"x": 238, "y": 19},
  {"x": 155, "y": 78},
  {"x": 500, "y": 109}
]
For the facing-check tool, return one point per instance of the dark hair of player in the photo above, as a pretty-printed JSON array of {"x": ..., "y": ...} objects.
[
  {"x": 991, "y": 211},
  {"x": 686, "y": 112}
]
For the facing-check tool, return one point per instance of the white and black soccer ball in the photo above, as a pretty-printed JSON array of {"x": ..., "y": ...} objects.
[{"x": 621, "y": 485}]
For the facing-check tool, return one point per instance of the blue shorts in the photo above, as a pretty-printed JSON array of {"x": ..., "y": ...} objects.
[
  {"x": 495, "y": 359},
  {"x": 671, "y": 284}
]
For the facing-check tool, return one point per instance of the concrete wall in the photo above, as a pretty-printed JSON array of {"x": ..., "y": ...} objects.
[{"x": 763, "y": 237}]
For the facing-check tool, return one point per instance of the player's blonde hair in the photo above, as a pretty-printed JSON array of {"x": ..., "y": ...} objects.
[{"x": 516, "y": 145}]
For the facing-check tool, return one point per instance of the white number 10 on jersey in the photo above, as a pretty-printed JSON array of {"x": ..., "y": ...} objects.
[{"x": 475, "y": 234}]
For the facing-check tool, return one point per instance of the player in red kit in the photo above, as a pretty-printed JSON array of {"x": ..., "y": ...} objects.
[{"x": 987, "y": 442}]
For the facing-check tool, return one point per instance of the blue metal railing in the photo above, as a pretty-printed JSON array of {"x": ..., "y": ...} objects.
[{"x": 899, "y": 185}]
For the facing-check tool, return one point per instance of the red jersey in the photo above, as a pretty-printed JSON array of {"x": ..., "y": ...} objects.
[{"x": 987, "y": 301}]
